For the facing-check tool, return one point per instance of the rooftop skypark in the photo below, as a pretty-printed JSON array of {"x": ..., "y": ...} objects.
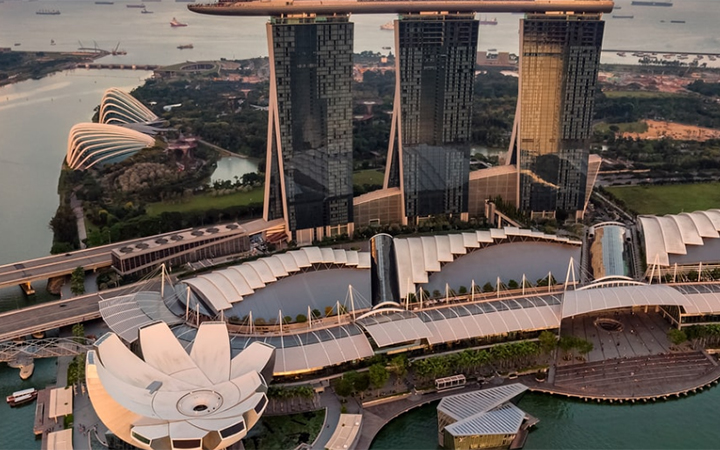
[{"x": 283, "y": 7}]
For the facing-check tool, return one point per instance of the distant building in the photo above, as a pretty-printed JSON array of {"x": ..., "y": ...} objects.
[
  {"x": 429, "y": 152},
  {"x": 559, "y": 60},
  {"x": 485, "y": 419},
  {"x": 501, "y": 59},
  {"x": 309, "y": 153}
]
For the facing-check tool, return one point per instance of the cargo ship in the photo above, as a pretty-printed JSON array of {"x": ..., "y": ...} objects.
[
  {"x": 488, "y": 22},
  {"x": 649, "y": 3},
  {"x": 175, "y": 23},
  {"x": 48, "y": 12},
  {"x": 20, "y": 397}
]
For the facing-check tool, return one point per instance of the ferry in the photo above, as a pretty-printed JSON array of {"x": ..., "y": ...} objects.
[
  {"x": 488, "y": 22},
  {"x": 22, "y": 397},
  {"x": 184, "y": 46},
  {"x": 48, "y": 12},
  {"x": 650, "y": 3},
  {"x": 175, "y": 23},
  {"x": 390, "y": 26}
]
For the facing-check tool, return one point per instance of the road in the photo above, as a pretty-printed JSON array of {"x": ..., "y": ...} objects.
[
  {"x": 57, "y": 265},
  {"x": 23, "y": 322}
]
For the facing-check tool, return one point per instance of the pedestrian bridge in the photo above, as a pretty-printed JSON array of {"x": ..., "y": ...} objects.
[{"x": 43, "y": 348}]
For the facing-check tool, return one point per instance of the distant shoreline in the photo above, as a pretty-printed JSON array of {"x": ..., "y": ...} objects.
[{"x": 39, "y": 64}]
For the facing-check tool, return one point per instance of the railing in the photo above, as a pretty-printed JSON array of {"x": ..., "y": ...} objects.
[{"x": 43, "y": 348}]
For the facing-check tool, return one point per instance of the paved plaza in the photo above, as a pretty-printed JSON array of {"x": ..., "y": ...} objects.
[{"x": 643, "y": 334}]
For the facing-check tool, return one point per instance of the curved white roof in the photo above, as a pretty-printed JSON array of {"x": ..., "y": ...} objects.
[
  {"x": 170, "y": 394},
  {"x": 418, "y": 257},
  {"x": 120, "y": 108},
  {"x": 671, "y": 234},
  {"x": 583, "y": 301},
  {"x": 224, "y": 287},
  {"x": 96, "y": 143}
]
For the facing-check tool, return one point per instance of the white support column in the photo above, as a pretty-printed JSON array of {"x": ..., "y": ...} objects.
[
  {"x": 338, "y": 311},
  {"x": 700, "y": 272},
  {"x": 281, "y": 320},
  {"x": 675, "y": 273},
  {"x": 187, "y": 303},
  {"x": 309, "y": 317},
  {"x": 472, "y": 291},
  {"x": 447, "y": 292},
  {"x": 352, "y": 301},
  {"x": 523, "y": 284},
  {"x": 252, "y": 324},
  {"x": 162, "y": 280},
  {"x": 497, "y": 287},
  {"x": 197, "y": 314}
]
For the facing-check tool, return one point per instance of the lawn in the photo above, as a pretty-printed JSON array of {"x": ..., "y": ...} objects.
[
  {"x": 669, "y": 199},
  {"x": 629, "y": 127},
  {"x": 285, "y": 432},
  {"x": 642, "y": 94},
  {"x": 205, "y": 202},
  {"x": 369, "y": 176}
]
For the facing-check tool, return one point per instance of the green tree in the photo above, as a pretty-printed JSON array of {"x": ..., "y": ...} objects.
[
  {"x": 301, "y": 318},
  {"x": 548, "y": 341},
  {"x": 343, "y": 386},
  {"x": 378, "y": 375},
  {"x": 676, "y": 336},
  {"x": 398, "y": 366},
  {"x": 512, "y": 284},
  {"x": 488, "y": 287},
  {"x": 77, "y": 281}
]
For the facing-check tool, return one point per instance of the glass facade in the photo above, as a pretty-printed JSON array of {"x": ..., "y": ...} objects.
[
  {"x": 559, "y": 62},
  {"x": 383, "y": 270},
  {"x": 433, "y": 113},
  {"x": 310, "y": 133}
]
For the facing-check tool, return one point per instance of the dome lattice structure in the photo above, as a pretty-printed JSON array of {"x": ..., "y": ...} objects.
[
  {"x": 172, "y": 399},
  {"x": 90, "y": 144},
  {"x": 120, "y": 108}
]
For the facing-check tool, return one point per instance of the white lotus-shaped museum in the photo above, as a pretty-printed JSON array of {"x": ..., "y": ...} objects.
[{"x": 172, "y": 399}]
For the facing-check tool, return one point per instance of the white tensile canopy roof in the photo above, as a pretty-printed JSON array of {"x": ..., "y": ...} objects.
[{"x": 672, "y": 234}]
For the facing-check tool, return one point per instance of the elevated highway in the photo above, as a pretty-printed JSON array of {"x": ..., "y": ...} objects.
[
  {"x": 25, "y": 272},
  {"x": 330, "y": 7},
  {"x": 47, "y": 316}
]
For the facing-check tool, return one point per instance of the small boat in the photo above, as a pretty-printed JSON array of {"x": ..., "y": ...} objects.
[
  {"x": 618, "y": 16},
  {"x": 145, "y": 11},
  {"x": 135, "y": 5},
  {"x": 390, "y": 26},
  {"x": 17, "y": 44},
  {"x": 104, "y": 3},
  {"x": 52, "y": 41},
  {"x": 27, "y": 370},
  {"x": 184, "y": 46},
  {"x": 677, "y": 21},
  {"x": 174, "y": 23},
  {"x": 21, "y": 397},
  {"x": 47, "y": 12},
  {"x": 621, "y": 54},
  {"x": 387, "y": 48}
]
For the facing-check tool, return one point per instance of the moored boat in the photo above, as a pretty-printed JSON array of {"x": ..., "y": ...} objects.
[
  {"x": 174, "y": 23},
  {"x": 21, "y": 397}
]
